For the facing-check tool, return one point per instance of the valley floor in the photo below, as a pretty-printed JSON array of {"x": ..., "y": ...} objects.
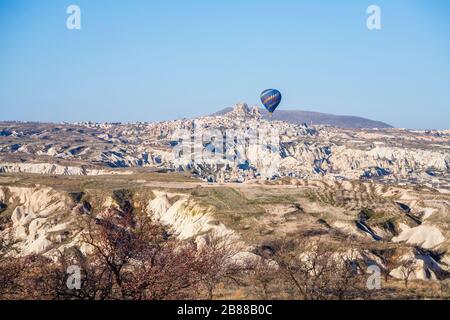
[{"x": 403, "y": 230}]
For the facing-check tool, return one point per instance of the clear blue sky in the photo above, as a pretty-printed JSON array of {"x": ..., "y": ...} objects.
[{"x": 155, "y": 60}]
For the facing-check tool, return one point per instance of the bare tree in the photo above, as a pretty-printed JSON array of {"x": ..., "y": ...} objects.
[
  {"x": 262, "y": 275},
  {"x": 317, "y": 271},
  {"x": 407, "y": 268},
  {"x": 389, "y": 258},
  {"x": 132, "y": 257},
  {"x": 216, "y": 263},
  {"x": 127, "y": 256},
  {"x": 10, "y": 269}
]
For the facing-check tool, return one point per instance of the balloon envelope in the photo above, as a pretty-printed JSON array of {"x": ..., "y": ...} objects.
[{"x": 271, "y": 98}]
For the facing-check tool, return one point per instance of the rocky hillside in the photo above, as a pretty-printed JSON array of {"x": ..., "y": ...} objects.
[
  {"x": 318, "y": 118},
  {"x": 236, "y": 147},
  {"x": 264, "y": 189},
  {"x": 252, "y": 219}
]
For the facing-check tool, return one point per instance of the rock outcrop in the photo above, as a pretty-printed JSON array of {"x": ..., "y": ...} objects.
[{"x": 235, "y": 147}]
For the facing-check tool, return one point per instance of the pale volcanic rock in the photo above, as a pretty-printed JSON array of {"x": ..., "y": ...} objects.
[
  {"x": 187, "y": 218},
  {"x": 423, "y": 267},
  {"x": 36, "y": 218},
  {"x": 283, "y": 149},
  {"x": 54, "y": 169},
  {"x": 255, "y": 112},
  {"x": 425, "y": 236}
]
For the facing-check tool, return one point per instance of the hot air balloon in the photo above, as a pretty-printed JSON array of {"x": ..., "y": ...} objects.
[{"x": 271, "y": 98}]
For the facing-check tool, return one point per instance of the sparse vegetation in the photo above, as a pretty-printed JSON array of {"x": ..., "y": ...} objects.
[{"x": 281, "y": 226}]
